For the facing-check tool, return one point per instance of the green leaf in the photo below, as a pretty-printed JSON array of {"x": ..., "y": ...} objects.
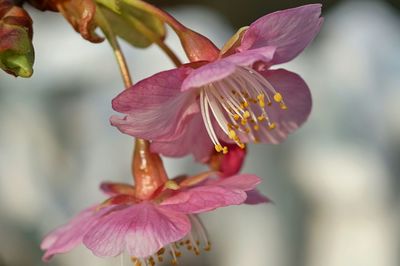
[{"x": 135, "y": 25}]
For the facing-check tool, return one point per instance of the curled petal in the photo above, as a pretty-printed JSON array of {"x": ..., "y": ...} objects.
[
  {"x": 290, "y": 31},
  {"x": 255, "y": 197},
  {"x": 155, "y": 103},
  {"x": 224, "y": 67},
  {"x": 81, "y": 15},
  {"x": 140, "y": 229}
]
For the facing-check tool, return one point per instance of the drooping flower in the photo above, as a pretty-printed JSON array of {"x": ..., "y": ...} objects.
[
  {"x": 235, "y": 98},
  {"x": 145, "y": 228},
  {"x": 148, "y": 222}
]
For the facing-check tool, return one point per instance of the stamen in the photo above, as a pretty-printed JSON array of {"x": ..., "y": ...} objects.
[
  {"x": 278, "y": 97},
  {"x": 238, "y": 104},
  {"x": 204, "y": 107}
]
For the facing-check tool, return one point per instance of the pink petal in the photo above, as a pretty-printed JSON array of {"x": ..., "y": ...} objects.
[
  {"x": 204, "y": 198},
  {"x": 224, "y": 67},
  {"x": 208, "y": 73},
  {"x": 215, "y": 194},
  {"x": 141, "y": 229},
  {"x": 297, "y": 97},
  {"x": 155, "y": 103},
  {"x": 70, "y": 235},
  {"x": 194, "y": 140},
  {"x": 243, "y": 182},
  {"x": 290, "y": 31},
  {"x": 247, "y": 58},
  {"x": 255, "y": 197}
]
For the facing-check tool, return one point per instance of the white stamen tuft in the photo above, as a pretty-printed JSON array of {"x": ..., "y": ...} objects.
[{"x": 239, "y": 105}]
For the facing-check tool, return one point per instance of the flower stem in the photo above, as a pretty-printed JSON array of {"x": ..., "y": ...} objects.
[
  {"x": 147, "y": 168},
  {"x": 108, "y": 32}
]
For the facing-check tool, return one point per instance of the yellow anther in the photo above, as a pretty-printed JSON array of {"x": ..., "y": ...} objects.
[
  {"x": 174, "y": 262},
  {"x": 243, "y": 122},
  {"x": 245, "y": 104},
  {"x": 278, "y": 97},
  {"x": 196, "y": 251},
  {"x": 170, "y": 184},
  {"x": 261, "y": 118},
  {"x": 261, "y": 101},
  {"x": 256, "y": 140},
  {"x": 247, "y": 130},
  {"x": 218, "y": 147},
  {"x": 236, "y": 117},
  {"x": 136, "y": 261},
  {"x": 161, "y": 251},
  {"x": 151, "y": 261},
  {"x": 256, "y": 127},
  {"x": 246, "y": 114},
  {"x": 178, "y": 254},
  {"x": 225, "y": 150},
  {"x": 232, "y": 134},
  {"x": 241, "y": 145},
  {"x": 283, "y": 106},
  {"x": 271, "y": 125},
  {"x": 208, "y": 247}
]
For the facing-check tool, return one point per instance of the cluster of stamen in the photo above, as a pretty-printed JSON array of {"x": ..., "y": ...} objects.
[
  {"x": 194, "y": 242},
  {"x": 239, "y": 104}
]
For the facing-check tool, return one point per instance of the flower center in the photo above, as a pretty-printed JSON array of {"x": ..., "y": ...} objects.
[
  {"x": 195, "y": 241},
  {"x": 239, "y": 105}
]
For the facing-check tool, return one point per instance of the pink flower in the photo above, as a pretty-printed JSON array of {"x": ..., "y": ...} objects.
[
  {"x": 234, "y": 98},
  {"x": 146, "y": 228}
]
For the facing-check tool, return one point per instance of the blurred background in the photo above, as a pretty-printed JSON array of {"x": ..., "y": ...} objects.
[{"x": 335, "y": 183}]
